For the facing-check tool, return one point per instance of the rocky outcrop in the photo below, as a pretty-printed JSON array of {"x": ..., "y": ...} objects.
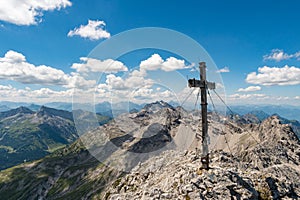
[{"x": 268, "y": 169}]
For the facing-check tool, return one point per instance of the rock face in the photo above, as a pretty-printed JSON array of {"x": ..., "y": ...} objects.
[{"x": 263, "y": 163}]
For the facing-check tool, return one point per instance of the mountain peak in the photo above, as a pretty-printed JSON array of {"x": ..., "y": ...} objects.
[
  {"x": 54, "y": 112},
  {"x": 156, "y": 106},
  {"x": 23, "y": 109},
  {"x": 19, "y": 110}
]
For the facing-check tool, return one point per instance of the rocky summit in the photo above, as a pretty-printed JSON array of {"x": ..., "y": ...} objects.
[
  {"x": 249, "y": 161},
  {"x": 154, "y": 154}
]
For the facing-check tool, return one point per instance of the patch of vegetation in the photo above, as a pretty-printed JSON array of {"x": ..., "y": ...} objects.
[
  {"x": 55, "y": 147},
  {"x": 264, "y": 193},
  {"x": 187, "y": 197},
  {"x": 117, "y": 182},
  {"x": 8, "y": 148}
]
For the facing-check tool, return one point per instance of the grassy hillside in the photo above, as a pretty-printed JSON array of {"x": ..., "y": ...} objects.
[
  {"x": 26, "y": 135},
  {"x": 68, "y": 173}
]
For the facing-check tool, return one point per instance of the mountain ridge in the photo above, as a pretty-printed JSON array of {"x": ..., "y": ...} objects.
[{"x": 250, "y": 160}]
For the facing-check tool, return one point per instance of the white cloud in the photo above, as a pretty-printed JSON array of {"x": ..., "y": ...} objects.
[
  {"x": 297, "y": 55},
  {"x": 137, "y": 86},
  {"x": 94, "y": 30},
  {"x": 95, "y": 65},
  {"x": 150, "y": 95},
  {"x": 5, "y": 87},
  {"x": 219, "y": 85},
  {"x": 77, "y": 81},
  {"x": 250, "y": 89},
  {"x": 155, "y": 62},
  {"x": 13, "y": 66},
  {"x": 9, "y": 93},
  {"x": 275, "y": 76},
  {"x": 261, "y": 99},
  {"x": 224, "y": 70},
  {"x": 279, "y": 55},
  {"x": 248, "y": 96},
  {"x": 28, "y": 12},
  {"x": 280, "y": 98},
  {"x": 130, "y": 83},
  {"x": 115, "y": 82},
  {"x": 297, "y": 97}
]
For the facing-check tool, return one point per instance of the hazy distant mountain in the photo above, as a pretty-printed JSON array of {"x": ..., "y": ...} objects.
[
  {"x": 12, "y": 105},
  {"x": 60, "y": 105},
  {"x": 174, "y": 103},
  {"x": 105, "y": 108},
  {"x": 261, "y": 115},
  {"x": 4, "y": 108},
  {"x": 248, "y": 161},
  {"x": 115, "y": 109},
  {"x": 289, "y": 112},
  {"x": 34, "y": 107}
]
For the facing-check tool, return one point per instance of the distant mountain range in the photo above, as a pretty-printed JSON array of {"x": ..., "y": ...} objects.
[
  {"x": 286, "y": 111},
  {"x": 29, "y": 135},
  {"x": 256, "y": 117},
  {"x": 105, "y": 108},
  {"x": 108, "y": 109}
]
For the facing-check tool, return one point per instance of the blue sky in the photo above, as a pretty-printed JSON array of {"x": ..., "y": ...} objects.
[{"x": 244, "y": 36}]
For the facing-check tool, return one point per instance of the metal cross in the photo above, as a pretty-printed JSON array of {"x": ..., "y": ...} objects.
[{"x": 203, "y": 85}]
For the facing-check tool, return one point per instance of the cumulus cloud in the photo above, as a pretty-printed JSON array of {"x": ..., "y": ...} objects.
[
  {"x": 75, "y": 80},
  {"x": 115, "y": 82},
  {"x": 13, "y": 66},
  {"x": 137, "y": 85},
  {"x": 95, "y": 65},
  {"x": 248, "y": 96},
  {"x": 224, "y": 70},
  {"x": 5, "y": 87},
  {"x": 155, "y": 62},
  {"x": 94, "y": 30},
  {"x": 130, "y": 83},
  {"x": 250, "y": 89},
  {"x": 9, "y": 93},
  {"x": 279, "y": 55},
  {"x": 259, "y": 98},
  {"x": 275, "y": 76},
  {"x": 150, "y": 95},
  {"x": 297, "y": 55},
  {"x": 280, "y": 98},
  {"x": 28, "y": 12}
]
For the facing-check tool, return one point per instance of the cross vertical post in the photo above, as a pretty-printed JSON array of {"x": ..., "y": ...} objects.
[
  {"x": 205, "y": 155},
  {"x": 203, "y": 85}
]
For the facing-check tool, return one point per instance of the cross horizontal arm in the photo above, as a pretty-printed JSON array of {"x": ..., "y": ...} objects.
[{"x": 199, "y": 83}]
